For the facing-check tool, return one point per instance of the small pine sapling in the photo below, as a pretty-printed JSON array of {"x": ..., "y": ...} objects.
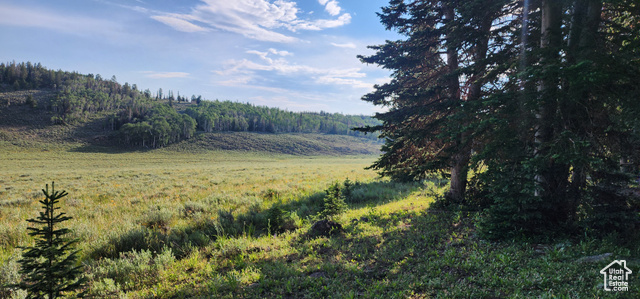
[
  {"x": 348, "y": 188},
  {"x": 334, "y": 203},
  {"x": 50, "y": 270}
]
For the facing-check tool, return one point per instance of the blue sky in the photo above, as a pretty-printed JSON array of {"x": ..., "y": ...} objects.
[{"x": 296, "y": 55}]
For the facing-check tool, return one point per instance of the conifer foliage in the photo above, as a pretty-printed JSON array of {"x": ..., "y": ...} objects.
[
  {"x": 334, "y": 201},
  {"x": 50, "y": 265},
  {"x": 540, "y": 97}
]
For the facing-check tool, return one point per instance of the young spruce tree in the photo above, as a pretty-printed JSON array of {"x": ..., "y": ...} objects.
[
  {"x": 334, "y": 201},
  {"x": 49, "y": 269}
]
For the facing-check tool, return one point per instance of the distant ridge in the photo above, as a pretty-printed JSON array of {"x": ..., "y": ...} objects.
[{"x": 43, "y": 106}]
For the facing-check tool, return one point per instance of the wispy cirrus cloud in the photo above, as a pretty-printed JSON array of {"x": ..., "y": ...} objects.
[
  {"x": 263, "y": 55},
  {"x": 261, "y": 20},
  {"x": 346, "y": 45},
  {"x": 179, "y": 23}
]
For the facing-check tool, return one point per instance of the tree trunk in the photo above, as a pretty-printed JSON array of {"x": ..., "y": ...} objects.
[
  {"x": 460, "y": 160},
  {"x": 460, "y": 167},
  {"x": 459, "y": 172},
  {"x": 549, "y": 176},
  {"x": 583, "y": 36},
  {"x": 591, "y": 25}
]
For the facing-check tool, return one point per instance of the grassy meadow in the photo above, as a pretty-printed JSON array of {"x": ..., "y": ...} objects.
[
  {"x": 224, "y": 224},
  {"x": 112, "y": 193}
]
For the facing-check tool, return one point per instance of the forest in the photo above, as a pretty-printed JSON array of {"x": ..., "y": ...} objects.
[
  {"x": 529, "y": 107},
  {"x": 140, "y": 118}
]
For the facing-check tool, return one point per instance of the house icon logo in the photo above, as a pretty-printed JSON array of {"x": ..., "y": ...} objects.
[{"x": 616, "y": 276}]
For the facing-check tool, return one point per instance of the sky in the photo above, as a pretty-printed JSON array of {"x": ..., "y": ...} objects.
[{"x": 295, "y": 55}]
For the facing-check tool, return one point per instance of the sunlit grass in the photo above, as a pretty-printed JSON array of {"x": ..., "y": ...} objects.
[
  {"x": 167, "y": 224},
  {"x": 111, "y": 193}
]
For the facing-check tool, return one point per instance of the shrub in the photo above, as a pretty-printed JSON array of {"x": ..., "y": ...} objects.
[
  {"x": 348, "y": 188},
  {"x": 226, "y": 225},
  {"x": 276, "y": 215},
  {"x": 607, "y": 210},
  {"x": 281, "y": 220},
  {"x": 255, "y": 220},
  {"x": 137, "y": 239},
  {"x": 514, "y": 210},
  {"x": 14, "y": 202},
  {"x": 131, "y": 268},
  {"x": 271, "y": 194},
  {"x": 159, "y": 218},
  {"x": 31, "y": 102},
  {"x": 12, "y": 236},
  {"x": 192, "y": 208},
  {"x": 9, "y": 276}
]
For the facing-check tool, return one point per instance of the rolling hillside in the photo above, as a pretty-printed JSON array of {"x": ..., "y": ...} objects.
[
  {"x": 39, "y": 106},
  {"x": 23, "y": 126}
]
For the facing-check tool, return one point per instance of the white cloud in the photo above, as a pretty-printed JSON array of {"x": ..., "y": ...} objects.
[
  {"x": 321, "y": 24},
  {"x": 329, "y": 80},
  {"x": 131, "y": 7},
  {"x": 165, "y": 75},
  {"x": 282, "y": 97},
  {"x": 237, "y": 81},
  {"x": 263, "y": 55},
  {"x": 281, "y": 53},
  {"x": 179, "y": 24},
  {"x": 140, "y": 9},
  {"x": 255, "y": 19},
  {"x": 347, "y": 45},
  {"x": 246, "y": 71},
  {"x": 331, "y": 6}
]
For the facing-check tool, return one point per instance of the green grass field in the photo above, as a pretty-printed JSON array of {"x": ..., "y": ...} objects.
[
  {"x": 175, "y": 223},
  {"x": 112, "y": 192}
]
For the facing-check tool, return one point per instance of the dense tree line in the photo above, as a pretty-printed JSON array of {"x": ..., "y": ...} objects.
[
  {"x": 540, "y": 97},
  {"x": 233, "y": 116},
  {"x": 161, "y": 126},
  {"x": 77, "y": 96},
  {"x": 141, "y": 118},
  {"x": 20, "y": 76}
]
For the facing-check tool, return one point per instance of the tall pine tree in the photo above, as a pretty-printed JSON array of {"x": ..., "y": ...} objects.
[
  {"x": 547, "y": 108},
  {"x": 448, "y": 60}
]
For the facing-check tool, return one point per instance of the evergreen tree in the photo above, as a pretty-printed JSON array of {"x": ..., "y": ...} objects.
[
  {"x": 579, "y": 115},
  {"x": 334, "y": 201},
  {"x": 547, "y": 108},
  {"x": 440, "y": 72},
  {"x": 50, "y": 266}
]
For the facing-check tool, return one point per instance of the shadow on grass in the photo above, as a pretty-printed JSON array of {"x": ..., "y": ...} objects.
[
  {"x": 407, "y": 252},
  {"x": 412, "y": 253},
  {"x": 274, "y": 216},
  {"x": 368, "y": 260},
  {"x": 103, "y": 148}
]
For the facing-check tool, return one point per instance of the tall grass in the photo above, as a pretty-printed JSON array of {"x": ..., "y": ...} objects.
[
  {"x": 115, "y": 194},
  {"x": 166, "y": 224}
]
